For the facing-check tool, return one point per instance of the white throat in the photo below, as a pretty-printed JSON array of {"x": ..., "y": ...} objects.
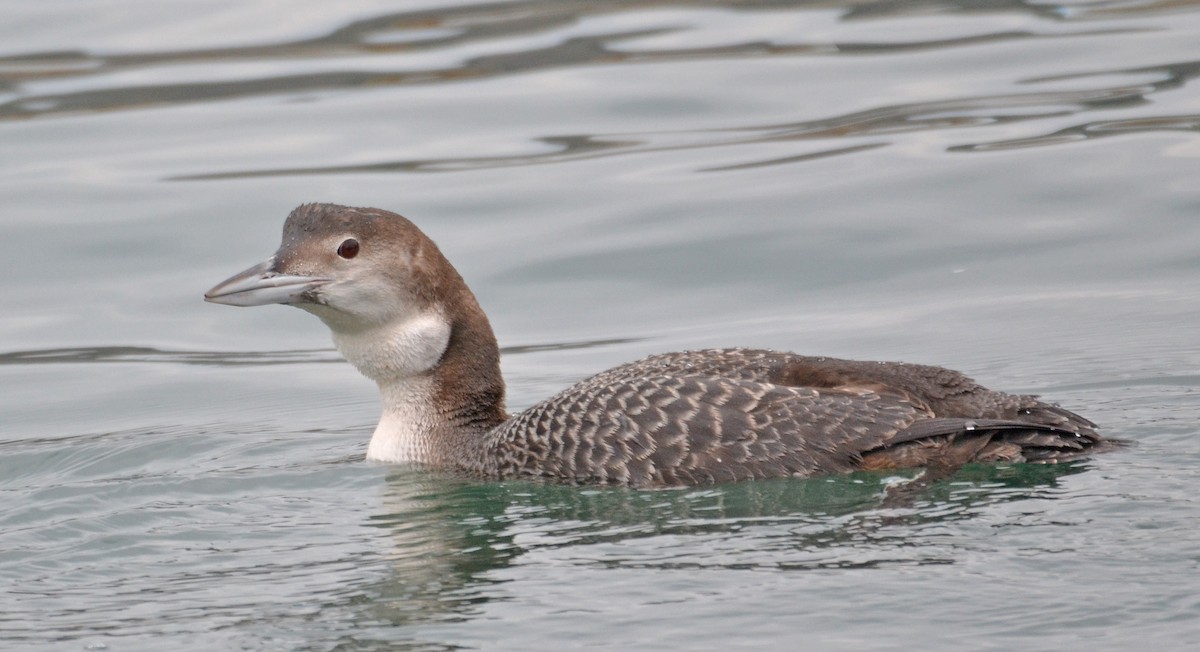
[
  {"x": 399, "y": 356},
  {"x": 397, "y": 350}
]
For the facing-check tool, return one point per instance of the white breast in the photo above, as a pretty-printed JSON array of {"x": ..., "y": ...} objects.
[{"x": 406, "y": 429}]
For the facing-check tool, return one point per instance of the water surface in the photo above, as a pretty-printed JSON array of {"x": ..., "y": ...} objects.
[{"x": 1004, "y": 188}]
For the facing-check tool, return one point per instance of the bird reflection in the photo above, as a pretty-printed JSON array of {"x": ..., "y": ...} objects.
[{"x": 454, "y": 542}]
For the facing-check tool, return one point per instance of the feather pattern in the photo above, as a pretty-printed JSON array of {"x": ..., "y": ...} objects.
[{"x": 702, "y": 417}]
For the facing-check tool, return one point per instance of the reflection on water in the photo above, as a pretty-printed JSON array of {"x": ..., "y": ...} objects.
[
  {"x": 442, "y": 29},
  {"x": 146, "y": 354},
  {"x": 393, "y": 50},
  {"x": 449, "y": 538},
  {"x": 875, "y": 123}
]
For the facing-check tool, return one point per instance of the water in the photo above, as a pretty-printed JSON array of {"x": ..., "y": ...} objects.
[{"x": 1004, "y": 188}]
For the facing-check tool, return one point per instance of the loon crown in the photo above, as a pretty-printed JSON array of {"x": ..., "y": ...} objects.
[{"x": 402, "y": 315}]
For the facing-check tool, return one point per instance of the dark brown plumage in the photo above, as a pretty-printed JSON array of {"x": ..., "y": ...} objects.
[{"x": 702, "y": 417}]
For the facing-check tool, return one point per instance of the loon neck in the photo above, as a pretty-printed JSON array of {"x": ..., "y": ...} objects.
[{"x": 439, "y": 379}]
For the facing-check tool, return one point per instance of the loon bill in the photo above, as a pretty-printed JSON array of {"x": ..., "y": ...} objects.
[{"x": 402, "y": 315}]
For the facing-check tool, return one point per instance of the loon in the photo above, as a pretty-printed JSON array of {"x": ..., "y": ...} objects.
[{"x": 401, "y": 314}]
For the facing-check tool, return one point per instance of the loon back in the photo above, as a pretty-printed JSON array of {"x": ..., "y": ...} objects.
[{"x": 701, "y": 417}]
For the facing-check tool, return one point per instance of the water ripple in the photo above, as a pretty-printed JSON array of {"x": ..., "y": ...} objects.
[
  {"x": 145, "y": 354},
  {"x": 880, "y": 122},
  {"x": 437, "y": 46},
  {"x": 441, "y": 30}
]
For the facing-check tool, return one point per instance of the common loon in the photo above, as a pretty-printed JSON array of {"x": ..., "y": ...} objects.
[{"x": 402, "y": 315}]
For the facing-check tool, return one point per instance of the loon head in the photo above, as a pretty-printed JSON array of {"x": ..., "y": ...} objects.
[
  {"x": 397, "y": 308},
  {"x": 355, "y": 268},
  {"x": 399, "y": 312}
]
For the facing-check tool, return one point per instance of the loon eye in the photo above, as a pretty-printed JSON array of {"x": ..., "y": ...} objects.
[{"x": 348, "y": 249}]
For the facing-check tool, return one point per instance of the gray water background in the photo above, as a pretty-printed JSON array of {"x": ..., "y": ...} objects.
[{"x": 1007, "y": 188}]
